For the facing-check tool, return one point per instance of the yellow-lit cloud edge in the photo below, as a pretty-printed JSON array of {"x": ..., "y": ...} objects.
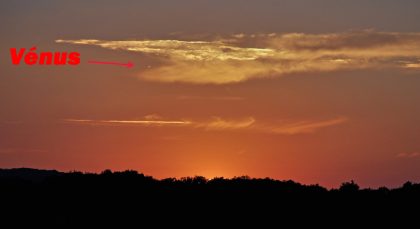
[{"x": 241, "y": 57}]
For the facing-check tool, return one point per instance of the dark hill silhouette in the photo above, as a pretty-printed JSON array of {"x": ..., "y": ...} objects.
[
  {"x": 49, "y": 197},
  {"x": 28, "y": 174}
]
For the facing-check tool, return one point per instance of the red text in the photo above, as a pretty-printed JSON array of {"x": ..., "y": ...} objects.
[{"x": 43, "y": 58}]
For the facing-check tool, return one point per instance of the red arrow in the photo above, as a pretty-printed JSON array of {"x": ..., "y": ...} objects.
[{"x": 128, "y": 64}]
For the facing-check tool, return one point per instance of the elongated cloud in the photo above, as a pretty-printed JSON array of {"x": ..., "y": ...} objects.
[
  {"x": 132, "y": 122},
  {"x": 409, "y": 155},
  {"x": 306, "y": 126},
  {"x": 241, "y": 57},
  {"x": 188, "y": 50},
  {"x": 219, "y": 124}
]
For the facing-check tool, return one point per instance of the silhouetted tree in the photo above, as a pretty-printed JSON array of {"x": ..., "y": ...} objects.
[{"x": 349, "y": 187}]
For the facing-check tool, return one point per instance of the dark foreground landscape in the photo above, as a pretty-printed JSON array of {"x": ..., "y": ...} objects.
[{"x": 48, "y": 197}]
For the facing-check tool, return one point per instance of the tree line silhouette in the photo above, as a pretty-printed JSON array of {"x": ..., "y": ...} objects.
[{"x": 30, "y": 196}]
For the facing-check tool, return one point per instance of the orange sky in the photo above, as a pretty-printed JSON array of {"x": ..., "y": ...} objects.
[{"x": 265, "y": 89}]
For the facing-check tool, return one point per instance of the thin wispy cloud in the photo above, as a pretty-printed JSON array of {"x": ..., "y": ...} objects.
[
  {"x": 220, "y": 124},
  {"x": 408, "y": 155},
  {"x": 306, "y": 126},
  {"x": 240, "y": 57},
  {"x": 128, "y": 122}
]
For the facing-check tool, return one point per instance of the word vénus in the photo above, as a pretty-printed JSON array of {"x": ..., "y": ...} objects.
[{"x": 43, "y": 58}]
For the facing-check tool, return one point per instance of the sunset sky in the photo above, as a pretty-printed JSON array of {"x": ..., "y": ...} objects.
[{"x": 316, "y": 91}]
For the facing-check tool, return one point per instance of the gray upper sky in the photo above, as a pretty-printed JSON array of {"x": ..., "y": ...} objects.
[{"x": 43, "y": 19}]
